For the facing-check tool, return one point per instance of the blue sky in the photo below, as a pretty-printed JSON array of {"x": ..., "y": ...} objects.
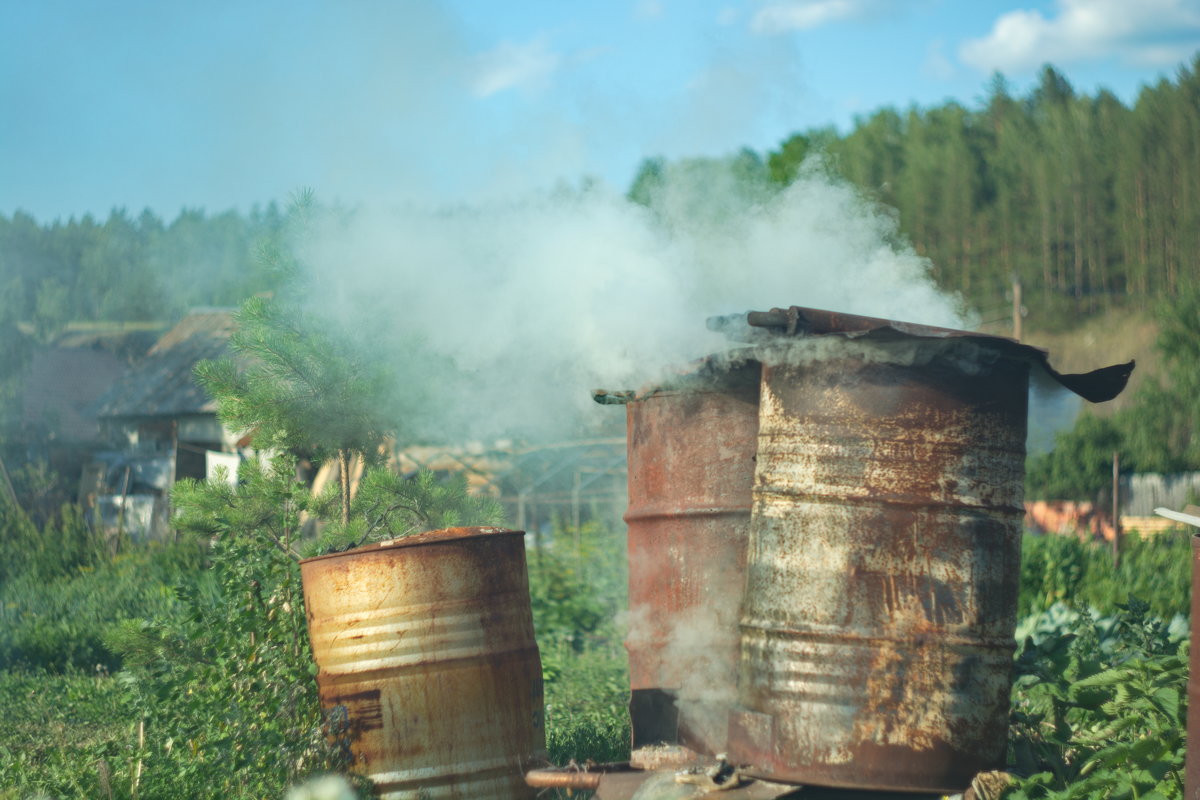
[{"x": 223, "y": 104}]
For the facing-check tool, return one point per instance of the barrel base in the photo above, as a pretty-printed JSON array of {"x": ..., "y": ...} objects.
[
  {"x": 654, "y": 717},
  {"x": 883, "y": 768}
]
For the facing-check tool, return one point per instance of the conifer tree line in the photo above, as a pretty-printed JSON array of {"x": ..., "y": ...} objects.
[
  {"x": 1090, "y": 203},
  {"x": 126, "y": 268}
]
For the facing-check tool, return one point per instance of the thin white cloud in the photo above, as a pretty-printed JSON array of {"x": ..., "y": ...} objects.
[
  {"x": 511, "y": 65},
  {"x": 937, "y": 65},
  {"x": 782, "y": 16},
  {"x": 1145, "y": 32},
  {"x": 648, "y": 10}
]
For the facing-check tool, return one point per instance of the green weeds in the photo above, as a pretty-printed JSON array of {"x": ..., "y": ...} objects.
[
  {"x": 1099, "y": 710},
  {"x": 577, "y": 591}
]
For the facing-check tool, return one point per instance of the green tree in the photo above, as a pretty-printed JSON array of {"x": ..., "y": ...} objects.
[
  {"x": 51, "y": 309},
  {"x": 299, "y": 383},
  {"x": 298, "y": 386},
  {"x": 1080, "y": 465},
  {"x": 225, "y": 689}
]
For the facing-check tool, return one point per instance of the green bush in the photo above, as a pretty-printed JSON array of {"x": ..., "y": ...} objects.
[
  {"x": 578, "y": 588},
  {"x": 225, "y": 690},
  {"x": 1099, "y": 701},
  {"x": 62, "y": 545},
  {"x": 58, "y": 624},
  {"x": 1155, "y": 569},
  {"x": 1099, "y": 708}
]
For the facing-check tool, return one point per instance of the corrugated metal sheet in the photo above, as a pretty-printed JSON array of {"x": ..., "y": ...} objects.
[
  {"x": 162, "y": 384},
  {"x": 1141, "y": 494}
]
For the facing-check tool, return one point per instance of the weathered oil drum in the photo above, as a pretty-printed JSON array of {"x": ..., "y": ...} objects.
[
  {"x": 425, "y": 648},
  {"x": 877, "y": 628},
  {"x": 691, "y": 468}
]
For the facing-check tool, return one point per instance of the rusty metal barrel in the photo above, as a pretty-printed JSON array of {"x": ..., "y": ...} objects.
[
  {"x": 881, "y": 592},
  {"x": 425, "y": 648},
  {"x": 691, "y": 466}
]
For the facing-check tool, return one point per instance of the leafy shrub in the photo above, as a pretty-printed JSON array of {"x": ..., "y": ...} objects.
[
  {"x": 587, "y": 701},
  {"x": 58, "y": 624},
  {"x": 225, "y": 691},
  {"x": 1100, "y": 710},
  {"x": 566, "y": 608},
  {"x": 1155, "y": 569},
  {"x": 63, "y": 544},
  {"x": 578, "y": 589}
]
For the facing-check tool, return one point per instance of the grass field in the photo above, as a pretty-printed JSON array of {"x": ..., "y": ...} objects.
[
  {"x": 75, "y": 729},
  {"x": 65, "y": 735}
]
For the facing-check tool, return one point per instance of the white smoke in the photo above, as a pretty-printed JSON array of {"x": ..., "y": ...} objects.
[{"x": 501, "y": 317}]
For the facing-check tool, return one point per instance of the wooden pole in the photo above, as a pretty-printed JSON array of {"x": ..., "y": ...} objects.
[
  {"x": 121, "y": 511},
  {"x": 1016, "y": 312},
  {"x": 174, "y": 477},
  {"x": 1116, "y": 509}
]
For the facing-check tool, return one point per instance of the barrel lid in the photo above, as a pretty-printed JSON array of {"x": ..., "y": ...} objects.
[
  {"x": 717, "y": 372},
  {"x": 442, "y": 536},
  {"x": 1096, "y": 386}
]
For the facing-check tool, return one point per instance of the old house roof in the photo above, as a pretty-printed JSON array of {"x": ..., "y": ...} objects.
[
  {"x": 162, "y": 385},
  {"x": 62, "y": 385}
]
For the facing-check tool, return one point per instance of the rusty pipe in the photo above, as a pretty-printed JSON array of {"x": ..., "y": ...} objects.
[
  {"x": 810, "y": 321},
  {"x": 562, "y": 778}
]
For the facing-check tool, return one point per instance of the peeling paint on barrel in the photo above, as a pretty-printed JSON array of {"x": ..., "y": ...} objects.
[
  {"x": 425, "y": 647},
  {"x": 877, "y": 629},
  {"x": 691, "y": 468}
]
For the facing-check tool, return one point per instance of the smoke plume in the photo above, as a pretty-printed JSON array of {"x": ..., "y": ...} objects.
[{"x": 500, "y": 317}]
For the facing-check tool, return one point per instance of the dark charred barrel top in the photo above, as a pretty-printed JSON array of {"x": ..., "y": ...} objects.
[{"x": 1096, "y": 386}]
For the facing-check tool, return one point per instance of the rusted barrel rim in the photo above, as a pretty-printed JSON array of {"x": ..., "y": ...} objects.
[{"x": 417, "y": 539}]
